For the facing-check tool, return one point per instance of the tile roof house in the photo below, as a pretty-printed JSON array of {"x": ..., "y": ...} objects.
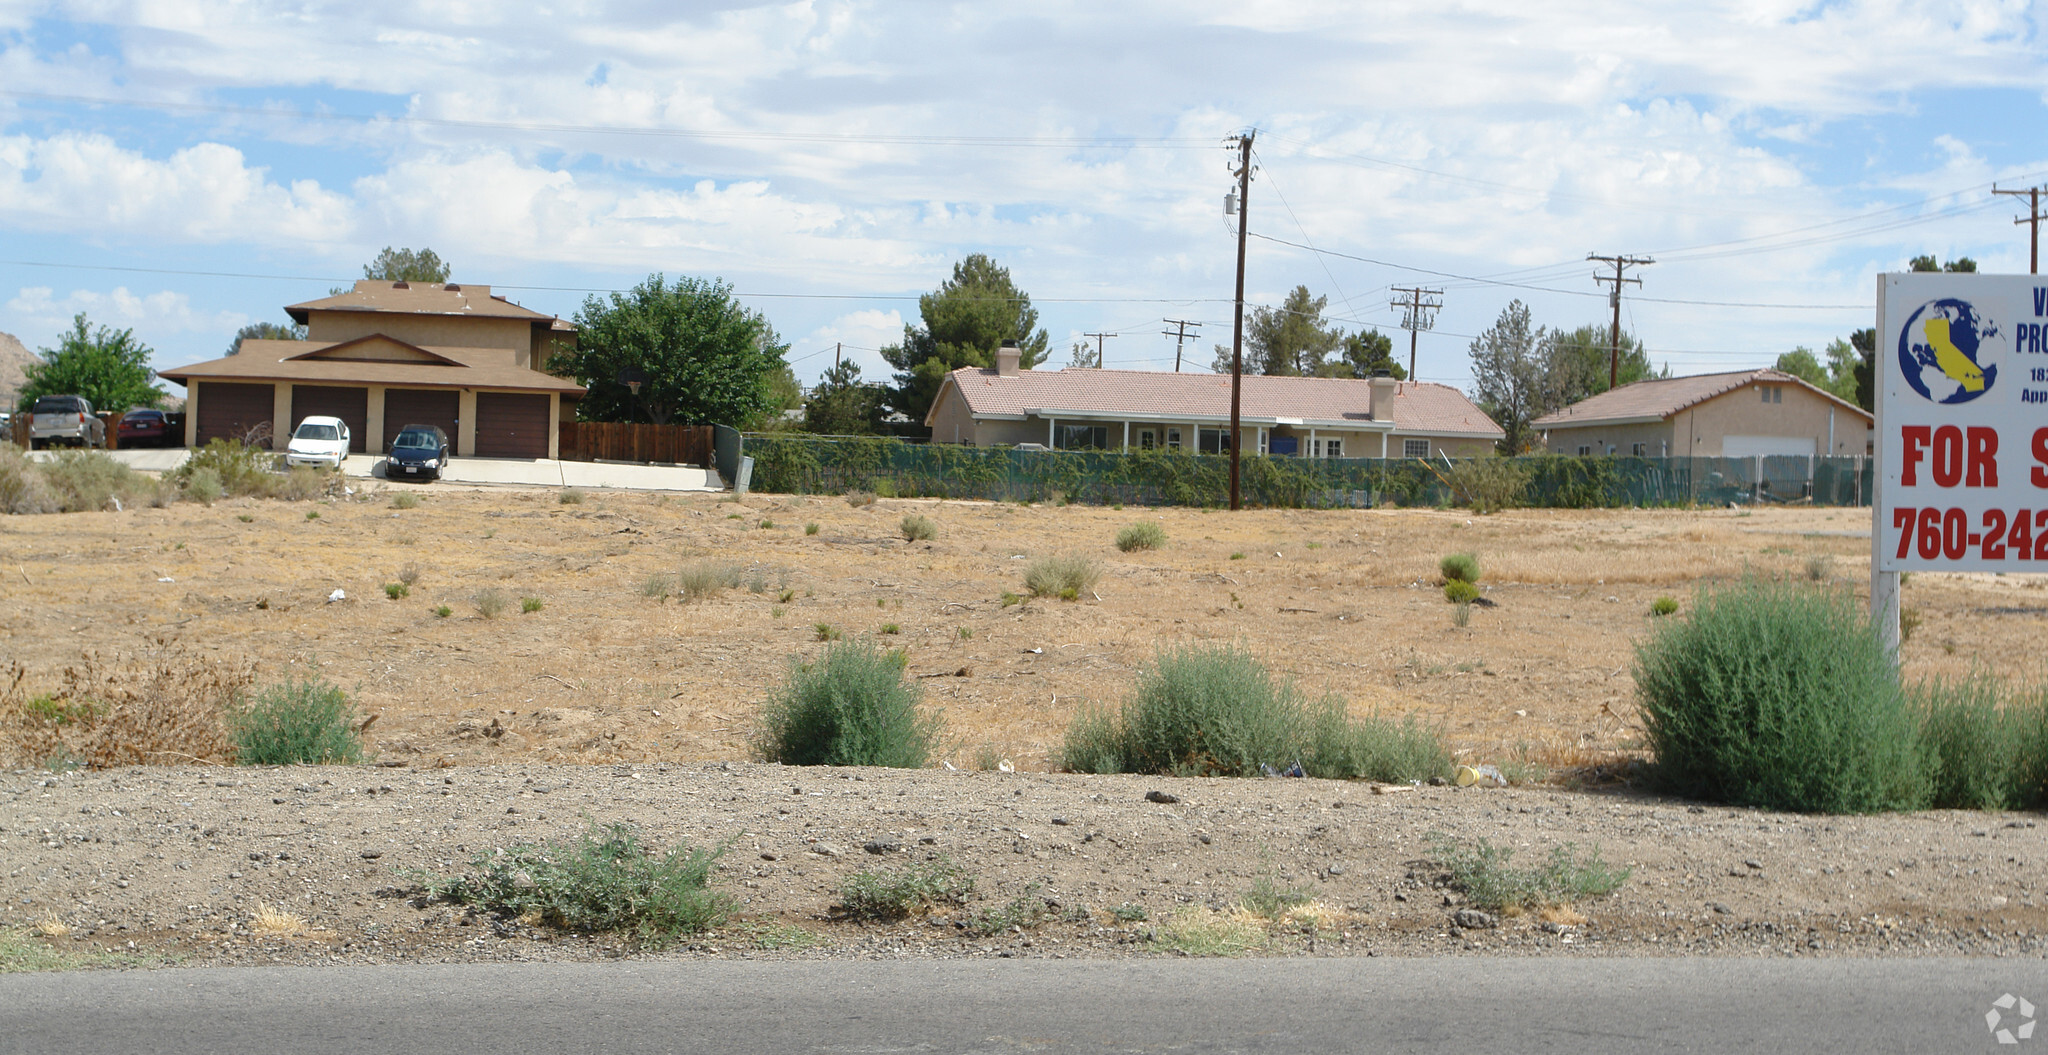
[
  {"x": 1731, "y": 415},
  {"x": 384, "y": 355},
  {"x": 1323, "y": 417}
]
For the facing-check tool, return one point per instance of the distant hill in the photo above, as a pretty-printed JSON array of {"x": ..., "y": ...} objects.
[{"x": 13, "y": 356}]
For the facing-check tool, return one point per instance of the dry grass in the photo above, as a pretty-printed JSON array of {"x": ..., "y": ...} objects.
[
  {"x": 166, "y": 708},
  {"x": 1201, "y": 932},
  {"x": 274, "y": 922},
  {"x": 52, "y": 927}
]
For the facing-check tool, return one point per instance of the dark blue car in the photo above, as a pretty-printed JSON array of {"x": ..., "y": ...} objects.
[{"x": 420, "y": 452}]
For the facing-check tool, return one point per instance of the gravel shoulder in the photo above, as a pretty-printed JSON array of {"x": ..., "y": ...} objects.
[{"x": 179, "y": 861}]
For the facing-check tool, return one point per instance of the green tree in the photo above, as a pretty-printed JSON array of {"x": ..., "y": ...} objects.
[
  {"x": 109, "y": 367},
  {"x": 1508, "y": 375},
  {"x": 701, "y": 356},
  {"x": 843, "y": 405},
  {"x": 1083, "y": 356},
  {"x": 407, "y": 265},
  {"x": 266, "y": 331},
  {"x": 1926, "y": 263},
  {"x": 1864, "y": 341},
  {"x": 1290, "y": 340},
  {"x": 1363, "y": 352},
  {"x": 1576, "y": 362},
  {"x": 1801, "y": 363},
  {"x": 965, "y": 320}
]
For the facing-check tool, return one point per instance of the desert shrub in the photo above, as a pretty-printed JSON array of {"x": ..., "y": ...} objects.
[
  {"x": 570, "y": 496},
  {"x": 853, "y": 707},
  {"x": 204, "y": 486},
  {"x": 409, "y": 574},
  {"x": 1820, "y": 567},
  {"x": 1145, "y": 534},
  {"x": 23, "y": 490},
  {"x": 240, "y": 468},
  {"x": 530, "y": 605},
  {"x": 84, "y": 481},
  {"x": 171, "y": 710},
  {"x": 1663, "y": 606},
  {"x": 658, "y": 585},
  {"x": 918, "y": 528},
  {"x": 1064, "y": 576},
  {"x": 306, "y": 721},
  {"x": 605, "y": 881},
  {"x": 1778, "y": 695},
  {"x": 914, "y": 888},
  {"x": 1986, "y": 747},
  {"x": 397, "y": 590},
  {"x": 1213, "y": 710},
  {"x": 489, "y": 603},
  {"x": 860, "y": 499},
  {"x": 1459, "y": 567},
  {"x": 302, "y": 483},
  {"x": 405, "y": 500},
  {"x": 1485, "y": 875},
  {"x": 706, "y": 578},
  {"x": 1491, "y": 484},
  {"x": 1460, "y": 592},
  {"x": 1461, "y": 614}
]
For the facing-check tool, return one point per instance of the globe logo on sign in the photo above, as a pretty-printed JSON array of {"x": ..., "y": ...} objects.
[{"x": 1949, "y": 353}]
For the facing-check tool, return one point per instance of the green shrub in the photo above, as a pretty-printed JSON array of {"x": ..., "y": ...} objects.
[
  {"x": 1064, "y": 576},
  {"x": 871, "y": 895},
  {"x": 1460, "y": 592},
  {"x": 811, "y": 528},
  {"x": 658, "y": 585},
  {"x": 851, "y": 708},
  {"x": 570, "y": 496},
  {"x": 530, "y": 605},
  {"x": 309, "y": 721},
  {"x": 1459, "y": 567},
  {"x": 239, "y": 468},
  {"x": 918, "y": 528},
  {"x": 604, "y": 881},
  {"x": 396, "y": 590},
  {"x": 1778, "y": 695},
  {"x": 1487, "y": 879},
  {"x": 1663, "y": 606},
  {"x": 1461, "y": 614},
  {"x": 489, "y": 603},
  {"x": 204, "y": 486},
  {"x": 405, "y": 500},
  {"x": 826, "y": 631},
  {"x": 706, "y": 578},
  {"x": 1986, "y": 747},
  {"x": 1145, "y": 534},
  {"x": 84, "y": 481},
  {"x": 1213, "y": 710},
  {"x": 1490, "y": 484},
  {"x": 444, "y": 611},
  {"x": 891, "y": 628}
]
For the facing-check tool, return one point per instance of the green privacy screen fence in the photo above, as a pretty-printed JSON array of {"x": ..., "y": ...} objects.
[{"x": 810, "y": 465}]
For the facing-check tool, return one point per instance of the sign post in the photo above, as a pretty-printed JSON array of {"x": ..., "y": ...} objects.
[{"x": 1961, "y": 373}]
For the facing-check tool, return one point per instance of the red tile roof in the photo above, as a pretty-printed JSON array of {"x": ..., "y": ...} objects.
[
  {"x": 1655, "y": 400},
  {"x": 1419, "y": 407}
]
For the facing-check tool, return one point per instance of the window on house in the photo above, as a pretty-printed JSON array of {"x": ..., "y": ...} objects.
[
  {"x": 1333, "y": 448},
  {"x": 1173, "y": 439},
  {"x": 1081, "y": 437},
  {"x": 1640, "y": 450},
  {"x": 1414, "y": 448},
  {"x": 1585, "y": 450},
  {"x": 1213, "y": 441},
  {"x": 1147, "y": 439},
  {"x": 1772, "y": 393}
]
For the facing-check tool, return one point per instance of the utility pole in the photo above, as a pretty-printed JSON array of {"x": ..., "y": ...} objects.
[
  {"x": 1098, "y": 345},
  {"x": 1614, "y": 299},
  {"x": 2033, "y": 219},
  {"x": 1180, "y": 335},
  {"x": 837, "y": 347},
  {"x": 1418, "y": 312},
  {"x": 1241, "y": 203}
]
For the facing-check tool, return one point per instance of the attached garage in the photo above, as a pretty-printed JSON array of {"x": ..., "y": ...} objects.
[
  {"x": 511, "y": 425},
  {"x": 414, "y": 406},
  {"x": 230, "y": 411},
  {"x": 351, "y": 405}
]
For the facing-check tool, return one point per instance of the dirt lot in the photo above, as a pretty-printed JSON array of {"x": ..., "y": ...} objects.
[{"x": 611, "y": 703}]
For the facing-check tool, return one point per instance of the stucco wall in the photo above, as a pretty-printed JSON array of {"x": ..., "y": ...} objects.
[
  {"x": 1654, "y": 437},
  {"x": 1698, "y": 430},
  {"x": 515, "y": 336}
]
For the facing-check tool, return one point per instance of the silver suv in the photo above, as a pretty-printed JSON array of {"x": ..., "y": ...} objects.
[{"x": 65, "y": 419}]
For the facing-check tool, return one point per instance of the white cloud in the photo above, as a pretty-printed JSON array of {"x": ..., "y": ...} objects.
[
  {"x": 864, "y": 333},
  {"x": 40, "y": 317}
]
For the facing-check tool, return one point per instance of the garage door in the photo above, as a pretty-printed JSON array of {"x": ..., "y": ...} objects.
[
  {"x": 351, "y": 405},
  {"x": 511, "y": 426},
  {"x": 228, "y": 411},
  {"x": 413, "y": 406}
]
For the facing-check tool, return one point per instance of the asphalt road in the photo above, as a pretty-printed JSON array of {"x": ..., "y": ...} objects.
[{"x": 1467, "y": 1005}]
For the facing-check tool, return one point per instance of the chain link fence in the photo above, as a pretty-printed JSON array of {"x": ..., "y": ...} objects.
[{"x": 893, "y": 468}]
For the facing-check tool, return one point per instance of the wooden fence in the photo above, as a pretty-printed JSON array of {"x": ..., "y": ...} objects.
[{"x": 616, "y": 441}]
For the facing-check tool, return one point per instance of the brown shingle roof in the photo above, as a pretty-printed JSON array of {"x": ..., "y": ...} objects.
[
  {"x": 1659, "y": 399},
  {"x": 285, "y": 361},
  {"x": 423, "y": 298},
  {"x": 1418, "y": 406}
]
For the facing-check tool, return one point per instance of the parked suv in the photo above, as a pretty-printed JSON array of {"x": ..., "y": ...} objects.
[{"x": 65, "y": 419}]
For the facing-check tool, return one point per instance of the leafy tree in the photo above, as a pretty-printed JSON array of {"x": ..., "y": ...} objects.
[
  {"x": 1926, "y": 263},
  {"x": 965, "y": 320},
  {"x": 1508, "y": 375},
  {"x": 1290, "y": 340},
  {"x": 407, "y": 265},
  {"x": 704, "y": 357},
  {"x": 266, "y": 331},
  {"x": 109, "y": 367},
  {"x": 1800, "y": 363},
  {"x": 1576, "y": 362},
  {"x": 843, "y": 405},
  {"x": 1864, "y": 341},
  {"x": 1084, "y": 356},
  {"x": 1363, "y": 352}
]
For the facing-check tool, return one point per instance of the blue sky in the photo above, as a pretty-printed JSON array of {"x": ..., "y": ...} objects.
[{"x": 183, "y": 168}]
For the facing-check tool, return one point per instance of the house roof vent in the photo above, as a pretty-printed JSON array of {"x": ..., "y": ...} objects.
[
  {"x": 401, "y": 284},
  {"x": 452, "y": 288}
]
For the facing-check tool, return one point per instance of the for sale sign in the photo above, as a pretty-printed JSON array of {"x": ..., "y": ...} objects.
[{"x": 1962, "y": 423}]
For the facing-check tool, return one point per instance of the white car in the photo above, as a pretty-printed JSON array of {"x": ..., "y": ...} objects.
[{"x": 318, "y": 440}]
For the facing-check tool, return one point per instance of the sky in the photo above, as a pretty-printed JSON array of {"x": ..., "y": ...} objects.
[{"x": 186, "y": 168}]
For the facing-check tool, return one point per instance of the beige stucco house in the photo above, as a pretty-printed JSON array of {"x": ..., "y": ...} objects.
[
  {"x": 1318, "y": 417},
  {"x": 389, "y": 354},
  {"x": 1734, "y": 415}
]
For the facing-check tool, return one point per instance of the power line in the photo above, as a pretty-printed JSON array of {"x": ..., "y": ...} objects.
[
  {"x": 1099, "y": 337},
  {"x": 1418, "y": 313},
  {"x": 1180, "y": 335},
  {"x": 1614, "y": 298},
  {"x": 2033, "y": 220}
]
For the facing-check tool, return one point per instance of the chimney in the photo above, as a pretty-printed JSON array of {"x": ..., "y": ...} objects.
[
  {"x": 1007, "y": 358},
  {"x": 1383, "y": 388}
]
